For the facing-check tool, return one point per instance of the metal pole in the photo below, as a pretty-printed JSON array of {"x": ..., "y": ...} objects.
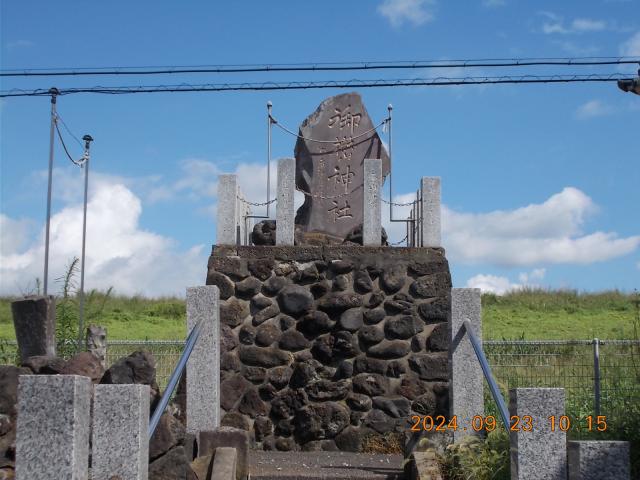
[
  {"x": 54, "y": 92},
  {"x": 269, "y": 105},
  {"x": 596, "y": 374},
  {"x": 87, "y": 144}
]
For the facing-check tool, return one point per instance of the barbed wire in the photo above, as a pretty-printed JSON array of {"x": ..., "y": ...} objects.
[
  {"x": 282, "y": 127},
  {"x": 298, "y": 85}
]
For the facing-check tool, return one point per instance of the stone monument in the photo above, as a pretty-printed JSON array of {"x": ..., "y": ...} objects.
[{"x": 336, "y": 139}]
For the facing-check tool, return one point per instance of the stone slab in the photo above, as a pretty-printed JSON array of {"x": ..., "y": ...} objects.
[
  {"x": 466, "y": 380},
  {"x": 120, "y": 432},
  {"x": 210, "y": 441},
  {"x": 539, "y": 453},
  {"x": 34, "y": 320},
  {"x": 203, "y": 367},
  {"x": 324, "y": 465},
  {"x": 52, "y": 439},
  {"x": 227, "y": 209},
  {"x": 430, "y": 210},
  {"x": 329, "y": 164},
  {"x": 596, "y": 460},
  {"x": 285, "y": 211},
  {"x": 96, "y": 343},
  {"x": 224, "y": 464},
  {"x": 372, "y": 223}
]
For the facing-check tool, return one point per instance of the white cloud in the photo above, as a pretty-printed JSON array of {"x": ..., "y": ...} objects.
[
  {"x": 119, "y": 252},
  {"x": 631, "y": 48},
  {"x": 502, "y": 285},
  {"x": 546, "y": 233},
  {"x": 555, "y": 24},
  {"x": 416, "y": 12},
  {"x": 592, "y": 109}
]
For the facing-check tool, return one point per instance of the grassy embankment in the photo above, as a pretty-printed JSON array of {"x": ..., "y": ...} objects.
[{"x": 532, "y": 314}]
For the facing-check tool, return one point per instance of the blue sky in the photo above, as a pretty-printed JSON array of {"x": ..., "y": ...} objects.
[{"x": 539, "y": 182}]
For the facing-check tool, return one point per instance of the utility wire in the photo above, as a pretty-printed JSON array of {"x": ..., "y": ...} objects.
[
  {"x": 321, "y": 67},
  {"x": 58, "y": 117},
  {"x": 429, "y": 82}
]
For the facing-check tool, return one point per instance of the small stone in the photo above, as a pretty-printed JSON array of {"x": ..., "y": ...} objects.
[
  {"x": 273, "y": 285},
  {"x": 438, "y": 341},
  {"x": 328, "y": 390},
  {"x": 295, "y": 300},
  {"x": 320, "y": 421},
  {"x": 293, "y": 341},
  {"x": 403, "y": 297},
  {"x": 169, "y": 432},
  {"x": 264, "y": 233},
  {"x": 397, "y": 368},
  {"x": 234, "y": 388},
  {"x": 173, "y": 465},
  {"x": 393, "y": 278},
  {"x": 321, "y": 349},
  {"x": 259, "y": 302},
  {"x": 362, "y": 282},
  {"x": 395, "y": 407},
  {"x": 320, "y": 446},
  {"x": 228, "y": 340},
  {"x": 45, "y": 364},
  {"x": 344, "y": 370},
  {"x": 285, "y": 444},
  {"x": 267, "y": 334},
  {"x": 430, "y": 366},
  {"x": 283, "y": 269},
  {"x": 344, "y": 345},
  {"x": 370, "y": 334},
  {"x": 437, "y": 284},
  {"x": 339, "y": 302},
  {"x": 389, "y": 349},
  {"x": 375, "y": 299},
  {"x": 233, "y": 312},
  {"x": 224, "y": 284},
  {"x": 84, "y": 364},
  {"x": 235, "y": 420},
  {"x": 307, "y": 275},
  {"x": 315, "y": 323},
  {"x": 286, "y": 322},
  {"x": 229, "y": 362},
  {"x": 263, "y": 357},
  {"x": 288, "y": 402},
  {"x": 364, "y": 364},
  {"x": 248, "y": 287},
  {"x": 434, "y": 310},
  {"x": 411, "y": 386},
  {"x": 351, "y": 319},
  {"x": 393, "y": 307},
  {"x": 303, "y": 374},
  {"x": 280, "y": 376},
  {"x": 320, "y": 289},
  {"x": 252, "y": 405},
  {"x": 352, "y": 439},
  {"x": 425, "y": 404},
  {"x": 9, "y": 388},
  {"x": 418, "y": 343},
  {"x": 402, "y": 327},
  {"x": 231, "y": 266},
  {"x": 341, "y": 283},
  {"x": 269, "y": 443},
  {"x": 284, "y": 427},
  {"x": 340, "y": 266},
  {"x": 374, "y": 316},
  {"x": 263, "y": 427},
  {"x": 267, "y": 392},
  {"x": 261, "y": 268},
  {"x": 247, "y": 334},
  {"x": 371, "y": 384},
  {"x": 427, "y": 268},
  {"x": 265, "y": 314},
  {"x": 254, "y": 374},
  {"x": 357, "y": 401},
  {"x": 379, "y": 421}
]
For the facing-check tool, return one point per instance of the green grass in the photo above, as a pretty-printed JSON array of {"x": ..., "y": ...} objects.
[{"x": 532, "y": 314}]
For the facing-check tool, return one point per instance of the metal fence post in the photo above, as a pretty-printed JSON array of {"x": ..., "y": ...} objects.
[{"x": 596, "y": 374}]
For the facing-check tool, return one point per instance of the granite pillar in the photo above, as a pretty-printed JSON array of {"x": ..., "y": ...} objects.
[
  {"x": 372, "y": 222},
  {"x": 285, "y": 211},
  {"x": 34, "y": 320},
  {"x": 203, "y": 367},
  {"x": 466, "y": 379},
  {"x": 537, "y": 451},
  {"x": 120, "y": 432},
  {"x": 430, "y": 210},
  {"x": 52, "y": 439},
  {"x": 595, "y": 460},
  {"x": 227, "y": 209}
]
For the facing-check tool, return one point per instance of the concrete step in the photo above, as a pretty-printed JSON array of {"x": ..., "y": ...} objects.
[{"x": 323, "y": 466}]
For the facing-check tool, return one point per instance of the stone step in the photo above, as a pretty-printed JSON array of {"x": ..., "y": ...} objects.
[{"x": 323, "y": 465}]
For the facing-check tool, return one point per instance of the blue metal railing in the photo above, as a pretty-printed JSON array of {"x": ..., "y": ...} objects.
[{"x": 175, "y": 377}]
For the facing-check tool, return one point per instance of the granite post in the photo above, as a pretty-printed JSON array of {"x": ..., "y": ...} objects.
[
  {"x": 52, "y": 439},
  {"x": 96, "y": 343},
  {"x": 203, "y": 367},
  {"x": 430, "y": 210},
  {"x": 120, "y": 432},
  {"x": 243, "y": 210},
  {"x": 594, "y": 460},
  {"x": 285, "y": 211},
  {"x": 34, "y": 320},
  {"x": 227, "y": 209},
  {"x": 465, "y": 383},
  {"x": 537, "y": 451},
  {"x": 372, "y": 222}
]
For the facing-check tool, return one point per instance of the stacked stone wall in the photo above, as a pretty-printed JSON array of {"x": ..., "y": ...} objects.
[{"x": 326, "y": 347}]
